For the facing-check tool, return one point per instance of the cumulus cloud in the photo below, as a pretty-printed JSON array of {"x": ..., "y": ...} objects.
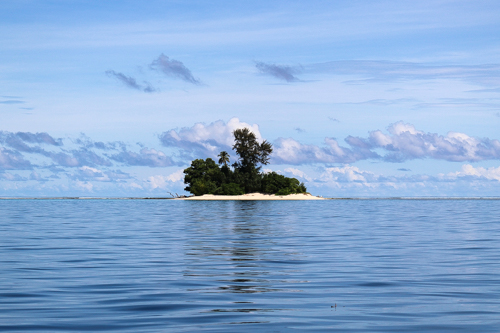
[
  {"x": 348, "y": 174},
  {"x": 405, "y": 142},
  {"x": 13, "y": 160},
  {"x": 77, "y": 158},
  {"x": 86, "y": 142},
  {"x": 146, "y": 157},
  {"x": 348, "y": 181},
  {"x": 281, "y": 72},
  {"x": 130, "y": 81},
  {"x": 468, "y": 171},
  {"x": 163, "y": 182},
  {"x": 173, "y": 68},
  {"x": 86, "y": 186},
  {"x": 203, "y": 140},
  {"x": 298, "y": 173},
  {"x": 36, "y": 143},
  {"x": 19, "y": 140},
  {"x": 43, "y": 138},
  {"x": 290, "y": 151},
  {"x": 401, "y": 142}
]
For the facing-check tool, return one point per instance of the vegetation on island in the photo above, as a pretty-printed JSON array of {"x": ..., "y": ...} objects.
[{"x": 245, "y": 176}]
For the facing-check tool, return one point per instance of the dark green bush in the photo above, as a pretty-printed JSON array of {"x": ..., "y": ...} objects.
[
  {"x": 274, "y": 183},
  {"x": 231, "y": 189}
]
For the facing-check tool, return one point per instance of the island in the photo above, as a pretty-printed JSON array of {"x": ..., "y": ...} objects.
[{"x": 242, "y": 180}]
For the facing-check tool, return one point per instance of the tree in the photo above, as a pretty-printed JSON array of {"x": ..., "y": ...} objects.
[
  {"x": 224, "y": 158},
  {"x": 206, "y": 177},
  {"x": 274, "y": 183},
  {"x": 203, "y": 177},
  {"x": 250, "y": 154},
  {"x": 249, "y": 150}
]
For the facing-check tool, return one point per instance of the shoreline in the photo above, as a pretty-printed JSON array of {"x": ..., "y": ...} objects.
[{"x": 254, "y": 196}]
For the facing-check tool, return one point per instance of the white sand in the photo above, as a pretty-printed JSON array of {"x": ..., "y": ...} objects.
[{"x": 254, "y": 196}]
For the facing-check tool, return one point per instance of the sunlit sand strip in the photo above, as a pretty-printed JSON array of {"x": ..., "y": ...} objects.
[{"x": 254, "y": 196}]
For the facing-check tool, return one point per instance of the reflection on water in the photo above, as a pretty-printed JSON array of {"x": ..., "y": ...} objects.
[
  {"x": 245, "y": 247},
  {"x": 183, "y": 266}
]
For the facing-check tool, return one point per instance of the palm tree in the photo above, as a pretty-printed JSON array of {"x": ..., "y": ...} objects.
[
  {"x": 249, "y": 150},
  {"x": 224, "y": 158}
]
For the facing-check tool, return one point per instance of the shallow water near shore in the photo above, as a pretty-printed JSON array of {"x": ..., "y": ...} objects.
[{"x": 245, "y": 266}]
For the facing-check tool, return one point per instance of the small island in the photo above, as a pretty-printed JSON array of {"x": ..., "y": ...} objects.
[{"x": 207, "y": 180}]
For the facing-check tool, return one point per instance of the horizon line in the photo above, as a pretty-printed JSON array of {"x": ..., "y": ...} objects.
[{"x": 329, "y": 198}]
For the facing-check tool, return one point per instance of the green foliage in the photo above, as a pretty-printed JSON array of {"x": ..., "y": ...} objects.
[
  {"x": 224, "y": 158},
  {"x": 274, "y": 183},
  {"x": 249, "y": 150},
  {"x": 206, "y": 177},
  {"x": 203, "y": 177},
  {"x": 203, "y": 186},
  {"x": 231, "y": 189}
]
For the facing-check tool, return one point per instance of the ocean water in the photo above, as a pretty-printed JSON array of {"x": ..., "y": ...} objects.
[{"x": 308, "y": 266}]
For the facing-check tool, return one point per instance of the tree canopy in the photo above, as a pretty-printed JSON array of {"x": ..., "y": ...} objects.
[
  {"x": 249, "y": 150},
  {"x": 206, "y": 177}
]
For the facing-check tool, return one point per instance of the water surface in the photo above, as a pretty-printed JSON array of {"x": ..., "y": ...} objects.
[{"x": 243, "y": 266}]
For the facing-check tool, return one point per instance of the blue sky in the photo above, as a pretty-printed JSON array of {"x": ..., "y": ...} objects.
[{"x": 359, "y": 98}]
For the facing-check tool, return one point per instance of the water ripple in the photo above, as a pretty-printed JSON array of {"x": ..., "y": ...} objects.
[{"x": 157, "y": 266}]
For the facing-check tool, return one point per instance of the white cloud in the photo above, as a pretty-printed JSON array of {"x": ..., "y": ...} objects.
[
  {"x": 203, "y": 140},
  {"x": 163, "y": 182},
  {"x": 290, "y": 151},
  {"x": 84, "y": 185},
  {"x": 405, "y": 142},
  {"x": 298, "y": 173},
  {"x": 479, "y": 172},
  {"x": 401, "y": 142},
  {"x": 347, "y": 174},
  {"x": 93, "y": 173}
]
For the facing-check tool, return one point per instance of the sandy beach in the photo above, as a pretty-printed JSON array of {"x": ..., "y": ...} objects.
[{"x": 254, "y": 196}]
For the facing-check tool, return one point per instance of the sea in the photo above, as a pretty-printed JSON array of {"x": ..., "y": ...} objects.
[{"x": 359, "y": 265}]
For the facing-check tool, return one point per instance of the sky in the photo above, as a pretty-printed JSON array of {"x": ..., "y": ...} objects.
[{"x": 359, "y": 98}]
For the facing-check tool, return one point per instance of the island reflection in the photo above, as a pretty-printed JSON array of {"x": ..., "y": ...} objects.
[{"x": 238, "y": 250}]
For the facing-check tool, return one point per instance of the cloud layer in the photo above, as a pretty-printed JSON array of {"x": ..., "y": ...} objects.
[
  {"x": 27, "y": 157},
  {"x": 203, "y": 140},
  {"x": 403, "y": 142}
]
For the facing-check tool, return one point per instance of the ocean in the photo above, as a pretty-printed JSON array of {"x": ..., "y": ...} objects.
[{"x": 244, "y": 266}]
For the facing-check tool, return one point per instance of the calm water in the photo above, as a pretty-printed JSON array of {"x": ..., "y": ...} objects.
[{"x": 180, "y": 266}]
